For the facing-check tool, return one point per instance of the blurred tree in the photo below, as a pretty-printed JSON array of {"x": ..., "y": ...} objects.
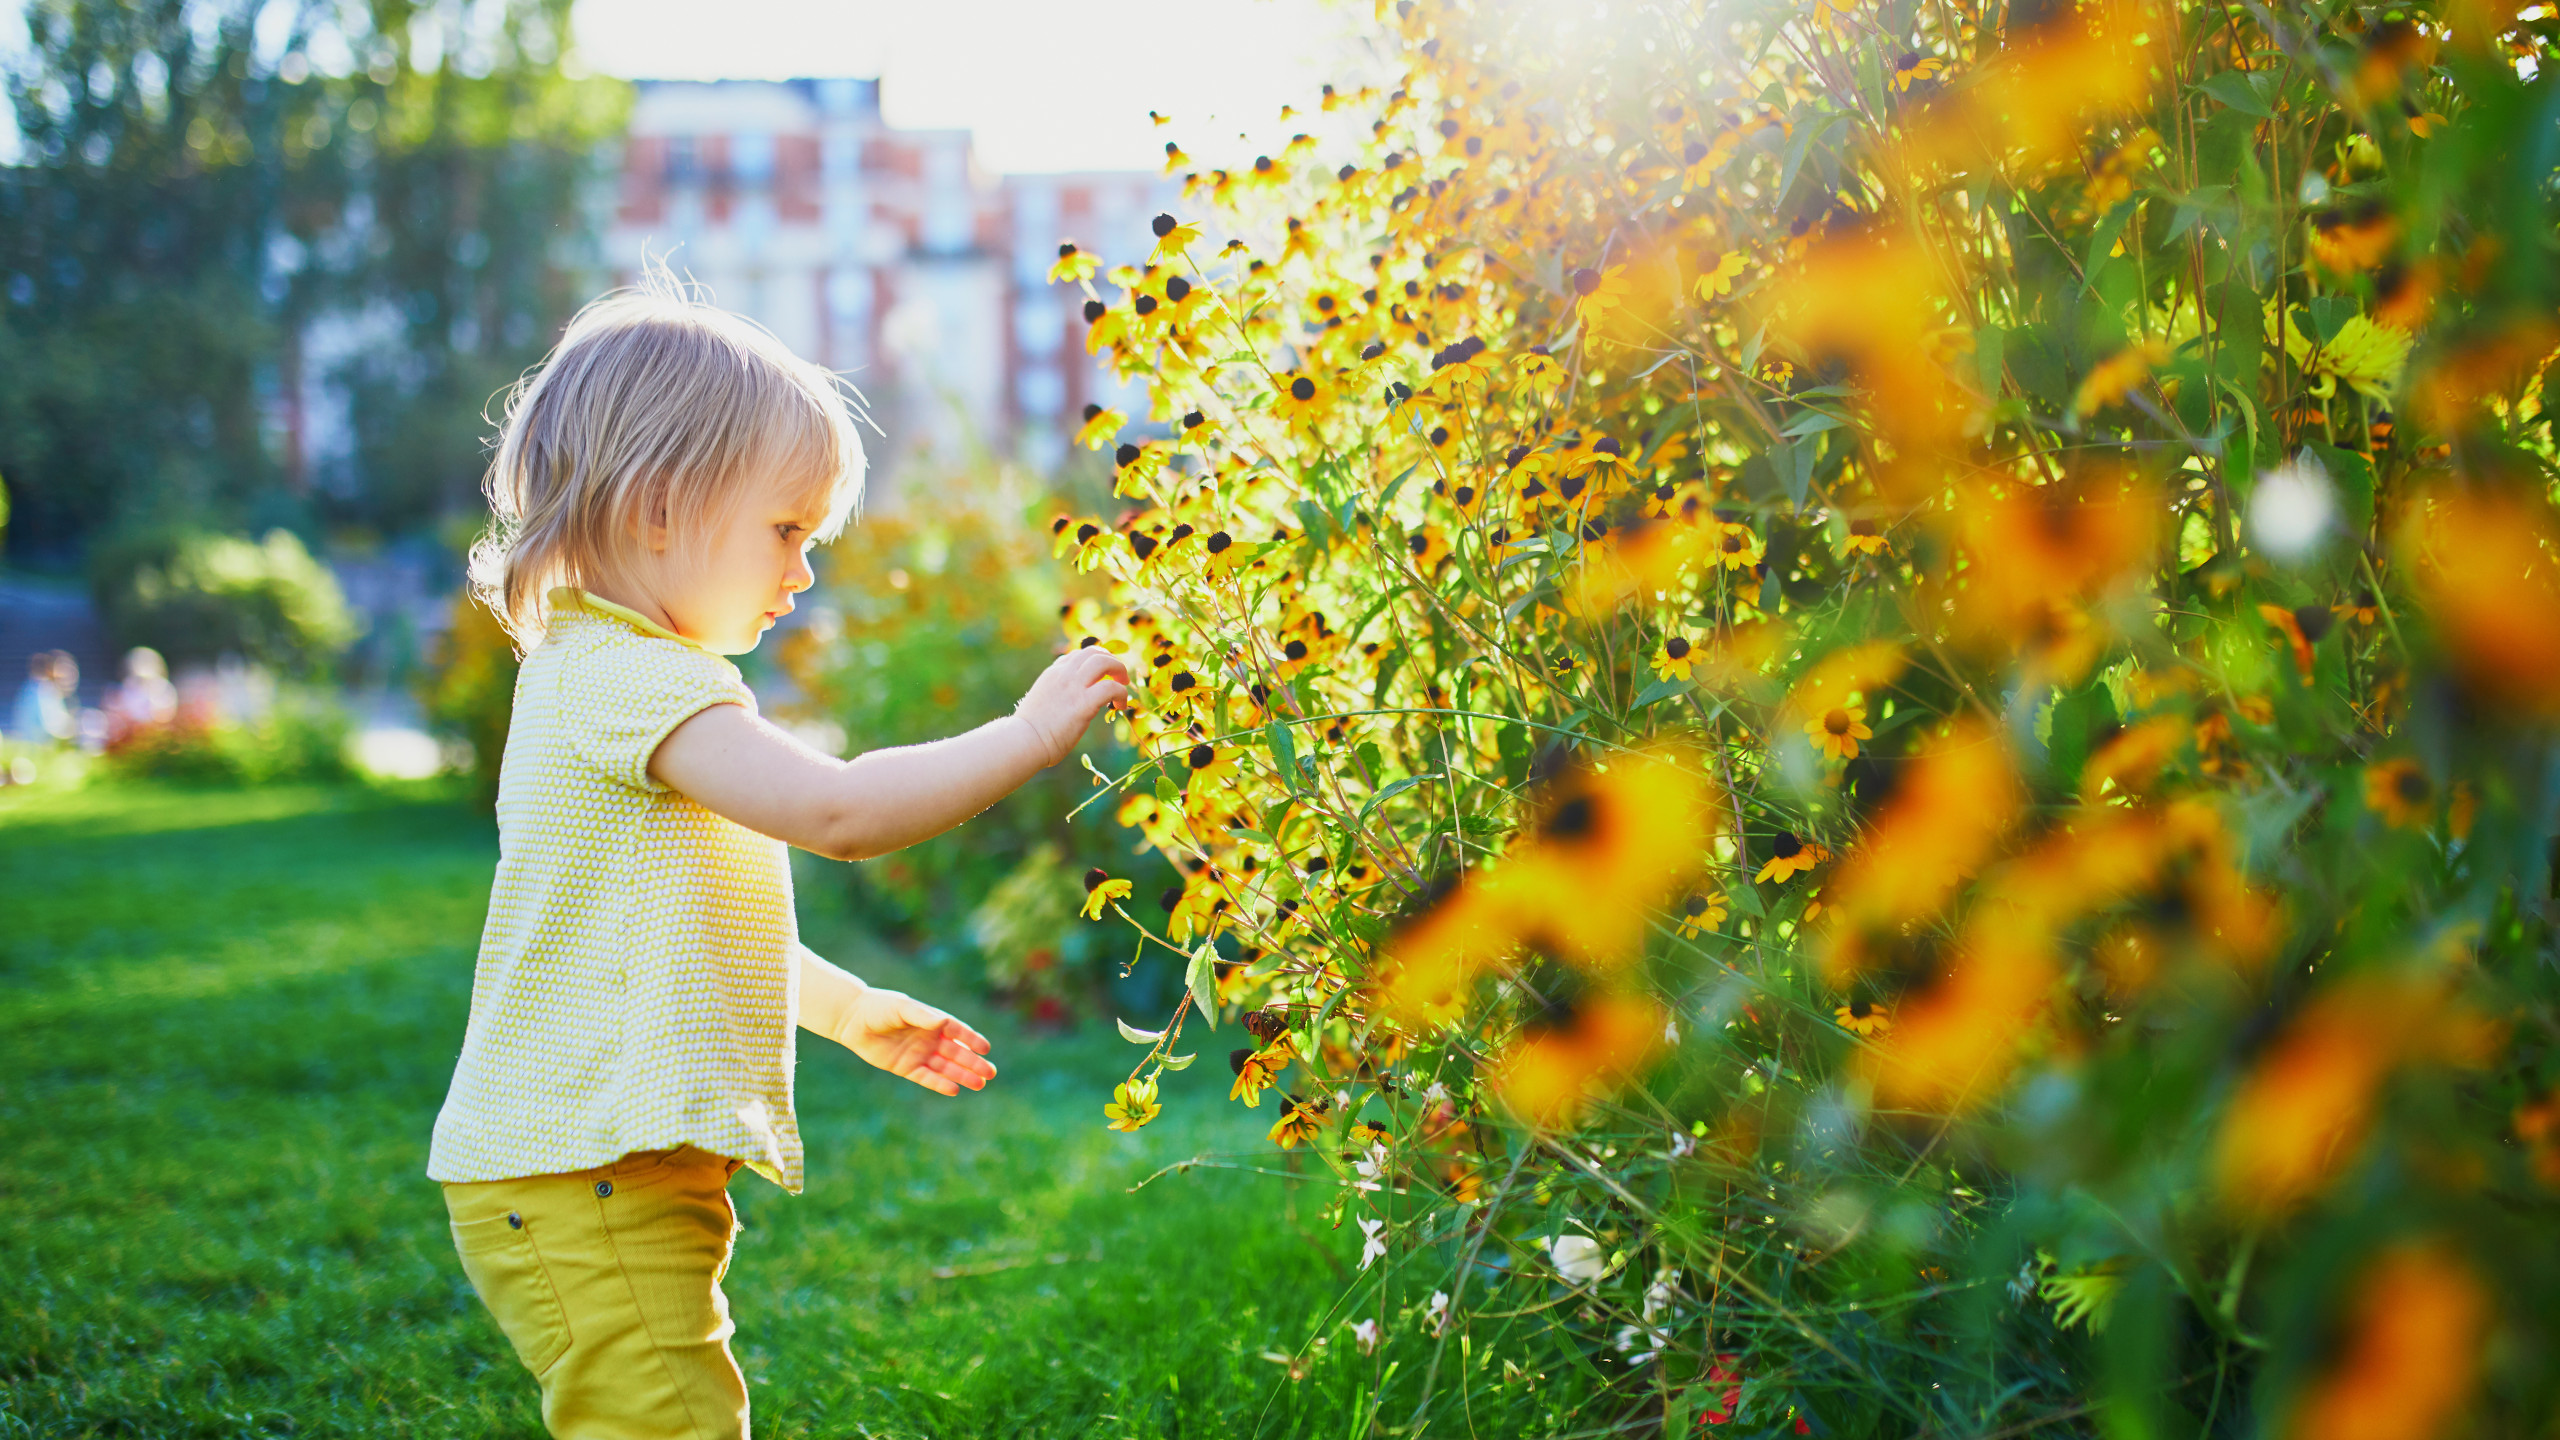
[{"x": 218, "y": 201}]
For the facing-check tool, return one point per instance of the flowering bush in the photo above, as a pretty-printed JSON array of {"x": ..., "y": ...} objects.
[
  {"x": 928, "y": 611},
  {"x": 1856, "y": 700}
]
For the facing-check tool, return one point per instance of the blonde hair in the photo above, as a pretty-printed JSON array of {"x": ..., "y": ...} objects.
[{"x": 655, "y": 402}]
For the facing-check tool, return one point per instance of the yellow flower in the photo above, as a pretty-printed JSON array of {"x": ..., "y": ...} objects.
[
  {"x": 1737, "y": 547},
  {"x": 1701, "y": 913},
  {"x": 1299, "y": 1120},
  {"x": 1866, "y": 536},
  {"x": 1838, "y": 730},
  {"x": 2114, "y": 377},
  {"x": 1863, "y": 1017},
  {"x": 1172, "y": 238},
  {"x": 1256, "y": 1069},
  {"x": 1596, "y": 293},
  {"x": 1299, "y": 398},
  {"x": 1073, "y": 264},
  {"x": 1827, "y": 14},
  {"x": 1536, "y": 371},
  {"x": 1675, "y": 659},
  {"x": 1099, "y": 891},
  {"x": 1099, "y": 426},
  {"x": 2400, "y": 792},
  {"x": 1213, "y": 765},
  {"x": 1719, "y": 281},
  {"x": 1133, "y": 1103},
  {"x": 1911, "y": 67},
  {"x": 1790, "y": 855}
]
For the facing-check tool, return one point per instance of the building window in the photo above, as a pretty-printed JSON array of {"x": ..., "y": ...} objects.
[{"x": 751, "y": 158}]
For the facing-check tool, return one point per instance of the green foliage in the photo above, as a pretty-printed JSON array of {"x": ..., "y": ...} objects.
[
  {"x": 302, "y": 739},
  {"x": 196, "y": 596},
  {"x": 189, "y": 204},
  {"x": 931, "y": 620},
  {"x": 468, "y": 689},
  {"x": 1891, "y": 636}
]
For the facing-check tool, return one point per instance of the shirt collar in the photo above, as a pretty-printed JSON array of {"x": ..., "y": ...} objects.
[{"x": 567, "y": 595}]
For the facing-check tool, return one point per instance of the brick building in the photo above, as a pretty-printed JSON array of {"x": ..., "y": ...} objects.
[{"x": 884, "y": 254}]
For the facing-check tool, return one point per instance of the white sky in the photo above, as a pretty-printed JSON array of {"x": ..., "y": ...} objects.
[{"x": 1044, "y": 84}]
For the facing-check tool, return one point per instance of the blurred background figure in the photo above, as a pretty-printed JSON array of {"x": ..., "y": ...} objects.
[
  {"x": 145, "y": 701},
  {"x": 44, "y": 712}
]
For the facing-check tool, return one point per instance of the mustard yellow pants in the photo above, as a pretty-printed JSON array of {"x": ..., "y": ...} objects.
[{"x": 607, "y": 1283}]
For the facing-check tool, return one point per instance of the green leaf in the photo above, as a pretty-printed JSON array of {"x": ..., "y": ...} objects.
[
  {"x": 1511, "y": 740},
  {"x": 1392, "y": 791},
  {"x": 1812, "y": 422},
  {"x": 2233, "y": 89},
  {"x": 1179, "y": 1062},
  {"x": 1202, "y": 977},
  {"x": 1663, "y": 689},
  {"x": 1284, "y": 751},
  {"x": 1134, "y": 1035}
]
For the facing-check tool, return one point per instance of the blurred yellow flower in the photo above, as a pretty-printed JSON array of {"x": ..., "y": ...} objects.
[
  {"x": 1863, "y": 1017},
  {"x": 1073, "y": 264}
]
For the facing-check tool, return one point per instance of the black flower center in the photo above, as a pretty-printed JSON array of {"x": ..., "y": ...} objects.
[
  {"x": 1302, "y": 389},
  {"x": 1572, "y": 820}
]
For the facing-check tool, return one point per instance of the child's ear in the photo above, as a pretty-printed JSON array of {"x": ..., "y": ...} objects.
[{"x": 654, "y": 532}]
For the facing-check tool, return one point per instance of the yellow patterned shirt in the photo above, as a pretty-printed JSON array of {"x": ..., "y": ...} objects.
[{"x": 637, "y": 986}]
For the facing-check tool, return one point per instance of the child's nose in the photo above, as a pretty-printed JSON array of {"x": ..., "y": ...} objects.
[{"x": 800, "y": 576}]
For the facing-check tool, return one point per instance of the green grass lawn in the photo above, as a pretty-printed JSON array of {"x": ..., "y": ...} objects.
[{"x": 227, "y": 1019}]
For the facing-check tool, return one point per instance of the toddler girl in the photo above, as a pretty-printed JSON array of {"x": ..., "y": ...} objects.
[{"x": 657, "y": 487}]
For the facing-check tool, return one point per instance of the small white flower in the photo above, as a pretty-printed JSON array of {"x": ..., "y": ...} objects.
[
  {"x": 1578, "y": 1258},
  {"x": 1659, "y": 1295},
  {"x": 1683, "y": 1144},
  {"x": 2292, "y": 509},
  {"x": 1437, "y": 1093},
  {"x": 1670, "y": 1032},
  {"x": 1373, "y": 1168},
  {"x": 1374, "y": 1242},
  {"x": 1366, "y": 1332},
  {"x": 1437, "y": 1312}
]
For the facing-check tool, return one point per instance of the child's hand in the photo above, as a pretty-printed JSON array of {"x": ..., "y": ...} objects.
[
  {"x": 905, "y": 1036},
  {"x": 1066, "y": 697}
]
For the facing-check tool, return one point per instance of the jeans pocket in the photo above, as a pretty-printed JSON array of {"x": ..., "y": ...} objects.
[{"x": 506, "y": 1271}]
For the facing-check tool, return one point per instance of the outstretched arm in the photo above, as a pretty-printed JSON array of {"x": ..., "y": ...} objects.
[
  {"x": 894, "y": 1031},
  {"x": 738, "y": 765}
]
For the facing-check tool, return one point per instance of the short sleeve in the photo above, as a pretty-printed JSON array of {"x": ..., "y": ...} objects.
[{"x": 620, "y": 700}]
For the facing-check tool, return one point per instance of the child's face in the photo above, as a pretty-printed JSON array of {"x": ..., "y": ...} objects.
[{"x": 752, "y": 566}]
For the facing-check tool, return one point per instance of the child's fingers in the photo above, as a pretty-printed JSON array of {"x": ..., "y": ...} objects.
[
  {"x": 959, "y": 1031},
  {"x": 952, "y": 1056},
  {"x": 938, "y": 1072}
]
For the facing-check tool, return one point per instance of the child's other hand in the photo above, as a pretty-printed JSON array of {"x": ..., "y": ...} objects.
[
  {"x": 1066, "y": 697},
  {"x": 907, "y": 1037}
]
